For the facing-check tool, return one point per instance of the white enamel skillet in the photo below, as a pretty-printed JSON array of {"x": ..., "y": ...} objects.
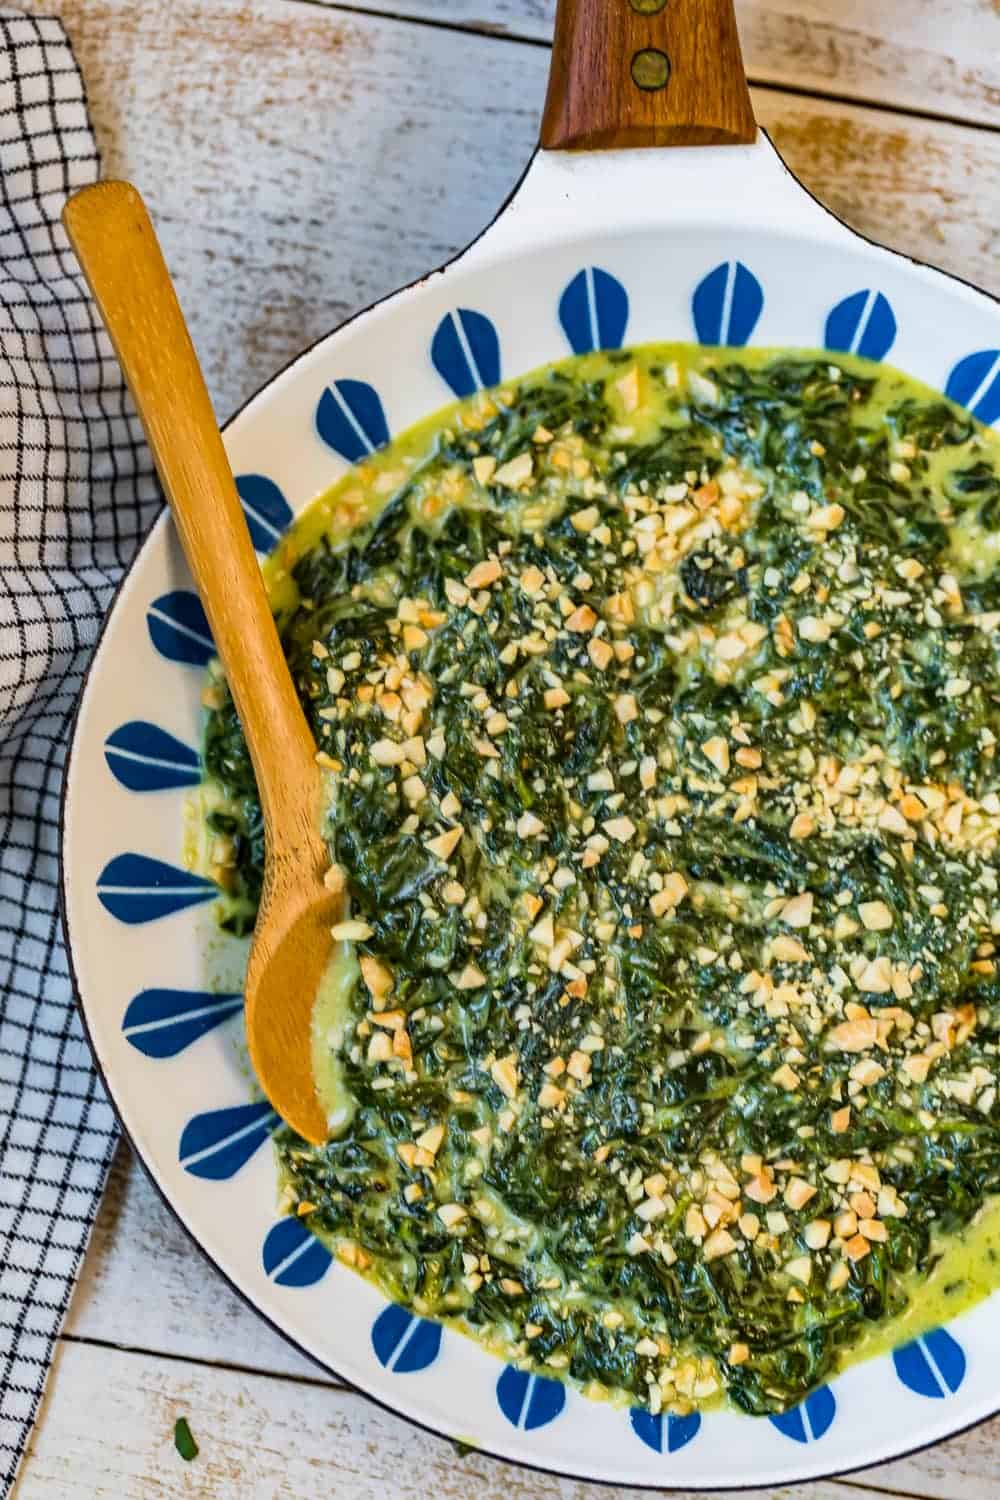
[{"x": 653, "y": 211}]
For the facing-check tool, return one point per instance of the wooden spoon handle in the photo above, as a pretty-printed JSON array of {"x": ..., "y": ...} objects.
[
  {"x": 121, "y": 258},
  {"x": 646, "y": 73}
]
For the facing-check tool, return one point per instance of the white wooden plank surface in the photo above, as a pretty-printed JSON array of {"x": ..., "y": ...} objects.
[
  {"x": 259, "y": 1437},
  {"x": 147, "y": 1289},
  {"x": 106, "y": 1433},
  {"x": 303, "y": 158},
  {"x": 941, "y": 57},
  {"x": 144, "y": 1285},
  {"x": 301, "y": 162}
]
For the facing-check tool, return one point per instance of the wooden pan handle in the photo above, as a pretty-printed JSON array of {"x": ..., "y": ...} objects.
[{"x": 646, "y": 73}]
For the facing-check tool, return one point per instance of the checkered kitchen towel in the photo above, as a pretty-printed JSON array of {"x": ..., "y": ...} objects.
[{"x": 76, "y": 496}]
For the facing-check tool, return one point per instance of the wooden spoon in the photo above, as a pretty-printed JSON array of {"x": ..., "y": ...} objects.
[{"x": 117, "y": 248}]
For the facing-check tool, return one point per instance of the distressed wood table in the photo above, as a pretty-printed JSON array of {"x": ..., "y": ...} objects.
[{"x": 302, "y": 158}]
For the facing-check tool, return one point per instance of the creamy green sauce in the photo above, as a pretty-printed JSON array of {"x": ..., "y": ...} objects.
[{"x": 659, "y": 696}]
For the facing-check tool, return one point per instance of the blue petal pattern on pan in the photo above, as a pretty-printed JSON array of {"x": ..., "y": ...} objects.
[
  {"x": 178, "y": 628},
  {"x": 146, "y": 758},
  {"x": 350, "y": 419},
  {"x": 265, "y": 507},
  {"x": 863, "y": 323},
  {"x": 811, "y": 1419},
  {"x": 529, "y": 1401},
  {"x": 975, "y": 383},
  {"x": 404, "y": 1343},
  {"x": 465, "y": 351},
  {"x": 593, "y": 311},
  {"x": 216, "y": 1144},
  {"x": 664, "y": 1434},
  {"x": 727, "y": 304},
  {"x": 293, "y": 1256},
  {"x": 161, "y": 1023},
  {"x": 933, "y": 1365},
  {"x": 134, "y": 888}
]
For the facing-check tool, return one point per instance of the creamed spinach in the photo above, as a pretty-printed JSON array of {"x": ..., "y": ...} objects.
[{"x": 659, "y": 697}]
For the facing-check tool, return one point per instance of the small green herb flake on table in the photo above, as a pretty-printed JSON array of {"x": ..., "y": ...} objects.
[{"x": 184, "y": 1441}]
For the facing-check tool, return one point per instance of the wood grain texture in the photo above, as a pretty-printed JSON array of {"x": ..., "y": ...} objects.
[
  {"x": 301, "y": 161},
  {"x": 116, "y": 245},
  {"x": 146, "y": 1287},
  {"x": 334, "y": 199},
  {"x": 940, "y": 57},
  {"x": 625, "y": 77},
  {"x": 106, "y": 1434}
]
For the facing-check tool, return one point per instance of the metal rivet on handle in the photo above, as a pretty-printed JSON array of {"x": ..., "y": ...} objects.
[{"x": 650, "y": 69}]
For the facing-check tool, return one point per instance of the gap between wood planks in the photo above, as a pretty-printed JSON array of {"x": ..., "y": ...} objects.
[
  {"x": 501, "y": 32},
  {"x": 847, "y": 1486}
]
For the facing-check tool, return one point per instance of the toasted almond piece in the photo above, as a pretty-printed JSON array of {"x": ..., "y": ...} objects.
[
  {"x": 414, "y": 790},
  {"x": 556, "y": 697},
  {"x": 716, "y": 750},
  {"x": 788, "y": 949},
  {"x": 626, "y": 708},
  {"x": 846, "y": 1224},
  {"x": 380, "y": 1047},
  {"x": 875, "y": 916},
  {"x": 351, "y": 931},
  {"x": 600, "y": 653},
  {"x": 798, "y": 1192},
  {"x": 761, "y": 1189},
  {"x": 582, "y": 620},
  {"x": 853, "y": 1036},
  {"x": 443, "y": 845},
  {"x": 891, "y": 820},
  {"x": 720, "y": 1242},
  {"x": 798, "y": 910},
  {"x": 470, "y": 978},
  {"x": 817, "y": 1234},
  {"x": 528, "y": 826},
  {"x": 579, "y": 1066},
  {"x": 430, "y": 1140},
  {"x": 827, "y": 517},
  {"x": 451, "y": 1214},
  {"x": 391, "y": 1020},
  {"x": 504, "y": 1074},
  {"x": 672, "y": 893},
  {"x": 376, "y": 976},
  {"x": 876, "y": 977},
  {"x": 800, "y": 1269},
  {"x": 515, "y": 472},
  {"x": 585, "y": 520},
  {"x": 483, "y": 574},
  {"x": 387, "y": 753}
]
